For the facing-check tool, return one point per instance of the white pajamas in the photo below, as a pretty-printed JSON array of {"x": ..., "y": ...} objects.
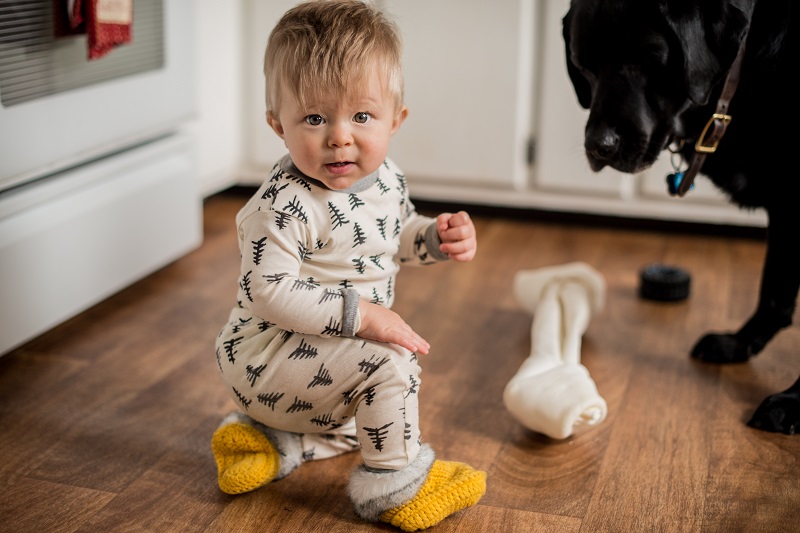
[{"x": 288, "y": 352}]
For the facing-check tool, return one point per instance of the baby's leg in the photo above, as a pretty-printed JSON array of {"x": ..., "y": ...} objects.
[
  {"x": 250, "y": 455},
  {"x": 320, "y": 387},
  {"x": 311, "y": 387},
  {"x": 314, "y": 385},
  {"x": 387, "y": 409},
  {"x": 401, "y": 482},
  {"x": 333, "y": 442}
]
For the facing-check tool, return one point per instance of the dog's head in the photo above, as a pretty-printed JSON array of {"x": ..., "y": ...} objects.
[{"x": 642, "y": 67}]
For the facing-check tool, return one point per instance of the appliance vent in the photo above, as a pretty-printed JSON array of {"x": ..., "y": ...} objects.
[{"x": 35, "y": 62}]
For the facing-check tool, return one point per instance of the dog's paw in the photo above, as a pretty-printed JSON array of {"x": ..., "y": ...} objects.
[
  {"x": 779, "y": 413},
  {"x": 721, "y": 348}
]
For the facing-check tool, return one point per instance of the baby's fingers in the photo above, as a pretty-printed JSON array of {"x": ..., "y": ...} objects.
[
  {"x": 412, "y": 342},
  {"x": 459, "y": 219}
]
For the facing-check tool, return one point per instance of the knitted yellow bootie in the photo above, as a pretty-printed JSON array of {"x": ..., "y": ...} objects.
[
  {"x": 246, "y": 459},
  {"x": 450, "y": 487}
]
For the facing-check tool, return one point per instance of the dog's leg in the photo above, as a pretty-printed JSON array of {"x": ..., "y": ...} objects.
[
  {"x": 780, "y": 280},
  {"x": 779, "y": 413}
]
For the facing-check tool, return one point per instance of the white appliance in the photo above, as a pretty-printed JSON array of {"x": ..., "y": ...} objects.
[{"x": 96, "y": 168}]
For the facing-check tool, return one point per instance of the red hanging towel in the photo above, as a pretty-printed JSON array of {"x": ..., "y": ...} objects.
[
  {"x": 68, "y": 18},
  {"x": 108, "y": 24}
]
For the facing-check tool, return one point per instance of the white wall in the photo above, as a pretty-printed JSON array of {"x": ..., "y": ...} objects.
[
  {"x": 262, "y": 147},
  {"x": 217, "y": 129}
]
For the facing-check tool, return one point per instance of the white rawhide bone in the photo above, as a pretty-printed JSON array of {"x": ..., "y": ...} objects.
[{"x": 552, "y": 392}]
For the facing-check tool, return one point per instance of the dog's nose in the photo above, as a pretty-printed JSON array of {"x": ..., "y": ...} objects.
[{"x": 602, "y": 145}]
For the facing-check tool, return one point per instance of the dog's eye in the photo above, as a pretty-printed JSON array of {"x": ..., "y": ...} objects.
[
  {"x": 655, "y": 51},
  {"x": 590, "y": 77},
  {"x": 588, "y": 74}
]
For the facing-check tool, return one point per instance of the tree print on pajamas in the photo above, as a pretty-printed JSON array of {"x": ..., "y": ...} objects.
[{"x": 287, "y": 352}]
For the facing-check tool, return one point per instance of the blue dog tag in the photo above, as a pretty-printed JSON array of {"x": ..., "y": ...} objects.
[{"x": 674, "y": 182}]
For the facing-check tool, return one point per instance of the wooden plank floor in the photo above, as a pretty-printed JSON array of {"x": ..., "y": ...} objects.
[{"x": 106, "y": 420}]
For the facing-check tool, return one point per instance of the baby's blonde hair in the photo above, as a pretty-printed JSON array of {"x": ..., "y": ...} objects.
[{"x": 331, "y": 47}]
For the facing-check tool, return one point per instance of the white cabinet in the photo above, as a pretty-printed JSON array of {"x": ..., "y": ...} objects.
[
  {"x": 468, "y": 85},
  {"x": 484, "y": 81}
]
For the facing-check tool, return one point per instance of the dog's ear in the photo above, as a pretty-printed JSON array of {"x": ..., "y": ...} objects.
[
  {"x": 581, "y": 85},
  {"x": 709, "y": 42}
]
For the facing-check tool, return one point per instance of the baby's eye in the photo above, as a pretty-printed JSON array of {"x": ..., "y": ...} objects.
[
  {"x": 361, "y": 117},
  {"x": 315, "y": 120}
]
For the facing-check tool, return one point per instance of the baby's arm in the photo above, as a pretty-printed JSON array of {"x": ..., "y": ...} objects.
[
  {"x": 459, "y": 242},
  {"x": 457, "y": 233},
  {"x": 270, "y": 283}
]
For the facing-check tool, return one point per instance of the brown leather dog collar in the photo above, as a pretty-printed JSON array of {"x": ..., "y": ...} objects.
[{"x": 714, "y": 130}]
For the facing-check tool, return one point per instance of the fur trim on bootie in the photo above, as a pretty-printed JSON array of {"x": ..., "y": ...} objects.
[
  {"x": 420, "y": 495},
  {"x": 373, "y": 493}
]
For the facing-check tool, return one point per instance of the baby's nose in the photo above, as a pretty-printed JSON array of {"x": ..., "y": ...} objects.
[{"x": 339, "y": 135}]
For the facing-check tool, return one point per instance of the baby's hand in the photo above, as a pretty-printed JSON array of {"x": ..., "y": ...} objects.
[
  {"x": 384, "y": 325},
  {"x": 457, "y": 233}
]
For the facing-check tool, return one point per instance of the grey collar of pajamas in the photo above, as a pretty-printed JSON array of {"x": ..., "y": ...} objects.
[{"x": 363, "y": 184}]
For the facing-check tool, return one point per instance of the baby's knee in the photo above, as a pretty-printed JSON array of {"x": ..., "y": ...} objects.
[{"x": 392, "y": 359}]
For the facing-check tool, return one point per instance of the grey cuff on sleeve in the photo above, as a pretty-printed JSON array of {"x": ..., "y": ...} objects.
[
  {"x": 352, "y": 320},
  {"x": 432, "y": 243}
]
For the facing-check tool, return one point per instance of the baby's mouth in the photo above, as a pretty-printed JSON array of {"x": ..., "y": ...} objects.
[{"x": 339, "y": 167}]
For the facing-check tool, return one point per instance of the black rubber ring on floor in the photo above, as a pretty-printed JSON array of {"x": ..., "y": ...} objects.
[{"x": 666, "y": 283}]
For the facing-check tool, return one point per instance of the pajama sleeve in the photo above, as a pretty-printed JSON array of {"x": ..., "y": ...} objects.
[
  {"x": 419, "y": 241},
  {"x": 274, "y": 245}
]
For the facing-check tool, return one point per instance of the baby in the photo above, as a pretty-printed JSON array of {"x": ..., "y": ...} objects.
[{"x": 312, "y": 353}]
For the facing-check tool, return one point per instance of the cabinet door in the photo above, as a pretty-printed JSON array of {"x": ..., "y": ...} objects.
[
  {"x": 560, "y": 160},
  {"x": 468, "y": 84}
]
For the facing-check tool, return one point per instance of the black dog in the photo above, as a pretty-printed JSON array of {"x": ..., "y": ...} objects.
[{"x": 653, "y": 74}]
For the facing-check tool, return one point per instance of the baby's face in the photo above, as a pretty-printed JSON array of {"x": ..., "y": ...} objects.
[{"x": 337, "y": 140}]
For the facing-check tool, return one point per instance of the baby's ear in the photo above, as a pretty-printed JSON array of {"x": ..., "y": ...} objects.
[
  {"x": 275, "y": 124},
  {"x": 399, "y": 118}
]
